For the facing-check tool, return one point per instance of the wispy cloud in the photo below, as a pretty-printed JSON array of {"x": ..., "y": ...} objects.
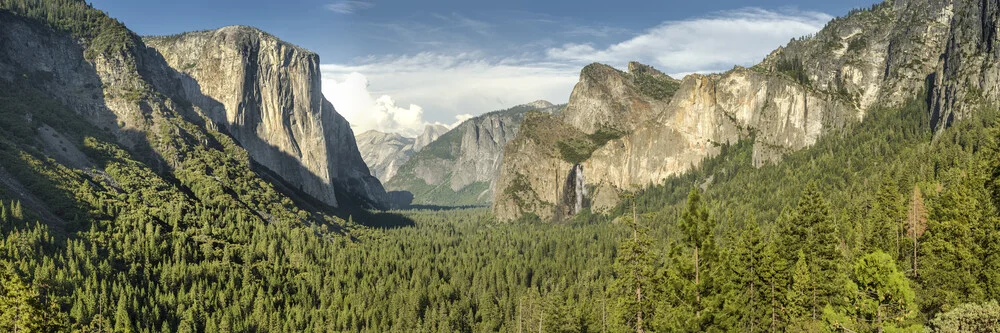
[
  {"x": 459, "y": 21},
  {"x": 446, "y": 86},
  {"x": 712, "y": 43},
  {"x": 349, "y": 6}
]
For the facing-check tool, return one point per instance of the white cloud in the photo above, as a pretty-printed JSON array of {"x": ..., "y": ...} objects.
[
  {"x": 711, "y": 43},
  {"x": 459, "y": 119},
  {"x": 364, "y": 111},
  {"x": 447, "y": 86},
  {"x": 348, "y": 7}
]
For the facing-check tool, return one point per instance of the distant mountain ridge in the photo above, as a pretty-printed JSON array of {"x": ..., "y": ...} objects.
[
  {"x": 386, "y": 152},
  {"x": 459, "y": 168}
]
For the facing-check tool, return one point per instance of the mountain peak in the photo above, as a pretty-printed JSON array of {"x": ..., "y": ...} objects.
[{"x": 540, "y": 104}]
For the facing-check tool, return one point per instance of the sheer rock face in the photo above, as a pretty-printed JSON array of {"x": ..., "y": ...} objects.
[
  {"x": 968, "y": 76},
  {"x": 266, "y": 93},
  {"x": 386, "y": 152},
  {"x": 878, "y": 57},
  {"x": 869, "y": 59},
  {"x": 465, "y": 161}
]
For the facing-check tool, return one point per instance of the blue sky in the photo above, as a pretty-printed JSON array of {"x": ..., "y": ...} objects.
[{"x": 398, "y": 65}]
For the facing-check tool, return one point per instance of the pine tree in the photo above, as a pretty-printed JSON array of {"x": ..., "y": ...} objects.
[
  {"x": 697, "y": 228},
  {"x": 123, "y": 323},
  {"x": 746, "y": 301},
  {"x": 798, "y": 301},
  {"x": 634, "y": 278},
  {"x": 951, "y": 255},
  {"x": 811, "y": 230},
  {"x": 19, "y": 311},
  {"x": 16, "y": 211},
  {"x": 885, "y": 227}
]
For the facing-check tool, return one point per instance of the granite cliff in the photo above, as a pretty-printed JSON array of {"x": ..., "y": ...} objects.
[
  {"x": 266, "y": 94},
  {"x": 627, "y": 137},
  {"x": 239, "y": 81}
]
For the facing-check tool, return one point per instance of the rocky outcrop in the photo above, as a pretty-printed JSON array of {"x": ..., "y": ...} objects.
[
  {"x": 386, "y": 152},
  {"x": 461, "y": 166},
  {"x": 968, "y": 77},
  {"x": 595, "y": 102},
  {"x": 431, "y": 133},
  {"x": 266, "y": 94},
  {"x": 878, "y": 57},
  {"x": 705, "y": 112},
  {"x": 533, "y": 168},
  {"x": 874, "y": 57}
]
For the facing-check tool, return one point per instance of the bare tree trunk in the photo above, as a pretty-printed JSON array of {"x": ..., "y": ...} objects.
[
  {"x": 774, "y": 317},
  {"x": 814, "y": 301},
  {"x": 915, "y": 255},
  {"x": 604, "y": 313},
  {"x": 519, "y": 314},
  {"x": 697, "y": 282},
  {"x": 541, "y": 319},
  {"x": 638, "y": 315}
]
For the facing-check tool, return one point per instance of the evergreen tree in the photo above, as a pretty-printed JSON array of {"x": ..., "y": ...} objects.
[
  {"x": 746, "y": 302},
  {"x": 690, "y": 286},
  {"x": 811, "y": 230},
  {"x": 951, "y": 256},
  {"x": 123, "y": 323},
  {"x": 634, "y": 279}
]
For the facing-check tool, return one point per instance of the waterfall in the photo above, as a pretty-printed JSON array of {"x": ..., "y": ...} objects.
[
  {"x": 581, "y": 188},
  {"x": 574, "y": 194}
]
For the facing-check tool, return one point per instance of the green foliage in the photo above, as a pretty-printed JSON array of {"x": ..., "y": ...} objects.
[
  {"x": 794, "y": 69},
  {"x": 883, "y": 298},
  {"x": 577, "y": 150},
  {"x": 657, "y": 87},
  {"x": 102, "y": 34},
  {"x": 970, "y": 317},
  {"x": 634, "y": 280}
]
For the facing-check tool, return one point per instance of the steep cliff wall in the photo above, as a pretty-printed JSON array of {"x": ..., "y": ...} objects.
[
  {"x": 871, "y": 58},
  {"x": 968, "y": 77},
  {"x": 266, "y": 94}
]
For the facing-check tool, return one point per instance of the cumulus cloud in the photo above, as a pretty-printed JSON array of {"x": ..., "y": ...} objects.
[
  {"x": 348, "y": 7},
  {"x": 711, "y": 43},
  {"x": 448, "y": 86},
  {"x": 364, "y": 111}
]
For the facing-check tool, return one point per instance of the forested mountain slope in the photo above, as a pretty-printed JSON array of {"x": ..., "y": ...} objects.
[{"x": 125, "y": 206}]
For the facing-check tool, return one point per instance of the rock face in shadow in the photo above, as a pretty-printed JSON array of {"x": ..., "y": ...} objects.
[
  {"x": 266, "y": 93},
  {"x": 867, "y": 60}
]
